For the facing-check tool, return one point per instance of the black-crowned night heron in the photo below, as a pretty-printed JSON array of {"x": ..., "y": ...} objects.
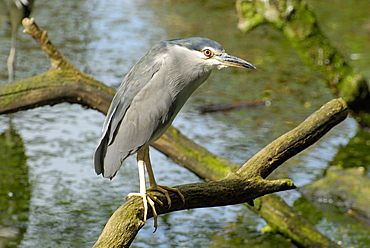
[
  {"x": 16, "y": 10},
  {"x": 149, "y": 98}
]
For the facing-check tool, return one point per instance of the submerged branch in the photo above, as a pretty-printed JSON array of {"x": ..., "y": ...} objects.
[{"x": 231, "y": 106}]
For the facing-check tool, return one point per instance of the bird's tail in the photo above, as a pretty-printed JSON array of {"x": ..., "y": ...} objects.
[
  {"x": 99, "y": 156},
  {"x": 108, "y": 158}
]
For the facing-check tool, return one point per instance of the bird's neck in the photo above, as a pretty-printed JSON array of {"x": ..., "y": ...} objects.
[{"x": 184, "y": 84}]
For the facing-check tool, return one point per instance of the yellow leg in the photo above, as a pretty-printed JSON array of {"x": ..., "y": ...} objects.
[
  {"x": 152, "y": 182},
  {"x": 144, "y": 159}
]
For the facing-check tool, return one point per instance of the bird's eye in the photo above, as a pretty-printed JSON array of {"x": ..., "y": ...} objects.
[{"x": 208, "y": 52}]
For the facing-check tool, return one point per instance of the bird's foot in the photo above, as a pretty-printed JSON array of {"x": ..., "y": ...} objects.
[
  {"x": 148, "y": 199},
  {"x": 164, "y": 190}
]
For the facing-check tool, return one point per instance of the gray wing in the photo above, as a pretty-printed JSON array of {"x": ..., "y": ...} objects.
[{"x": 134, "y": 114}]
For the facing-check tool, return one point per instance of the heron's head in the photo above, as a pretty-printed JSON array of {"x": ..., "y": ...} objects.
[{"x": 206, "y": 52}]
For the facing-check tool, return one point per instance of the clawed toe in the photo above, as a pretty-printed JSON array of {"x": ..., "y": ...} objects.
[
  {"x": 174, "y": 190},
  {"x": 148, "y": 199},
  {"x": 164, "y": 190}
]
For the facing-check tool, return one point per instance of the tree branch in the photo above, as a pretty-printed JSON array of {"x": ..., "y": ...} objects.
[
  {"x": 62, "y": 83},
  {"x": 245, "y": 185},
  {"x": 57, "y": 60},
  {"x": 296, "y": 140}
]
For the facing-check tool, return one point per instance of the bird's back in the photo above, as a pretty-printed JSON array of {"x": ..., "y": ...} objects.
[
  {"x": 146, "y": 103},
  {"x": 132, "y": 84}
]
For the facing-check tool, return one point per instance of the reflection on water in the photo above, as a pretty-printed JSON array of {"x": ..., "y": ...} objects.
[
  {"x": 69, "y": 204},
  {"x": 15, "y": 192}
]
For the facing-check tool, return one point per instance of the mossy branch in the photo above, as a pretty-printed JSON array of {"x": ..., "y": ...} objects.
[
  {"x": 244, "y": 185},
  {"x": 62, "y": 83},
  {"x": 57, "y": 60}
]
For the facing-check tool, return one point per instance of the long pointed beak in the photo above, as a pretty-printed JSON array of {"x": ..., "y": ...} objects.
[{"x": 229, "y": 60}]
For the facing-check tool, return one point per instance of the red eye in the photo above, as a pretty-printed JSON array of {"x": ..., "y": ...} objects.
[{"x": 208, "y": 53}]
